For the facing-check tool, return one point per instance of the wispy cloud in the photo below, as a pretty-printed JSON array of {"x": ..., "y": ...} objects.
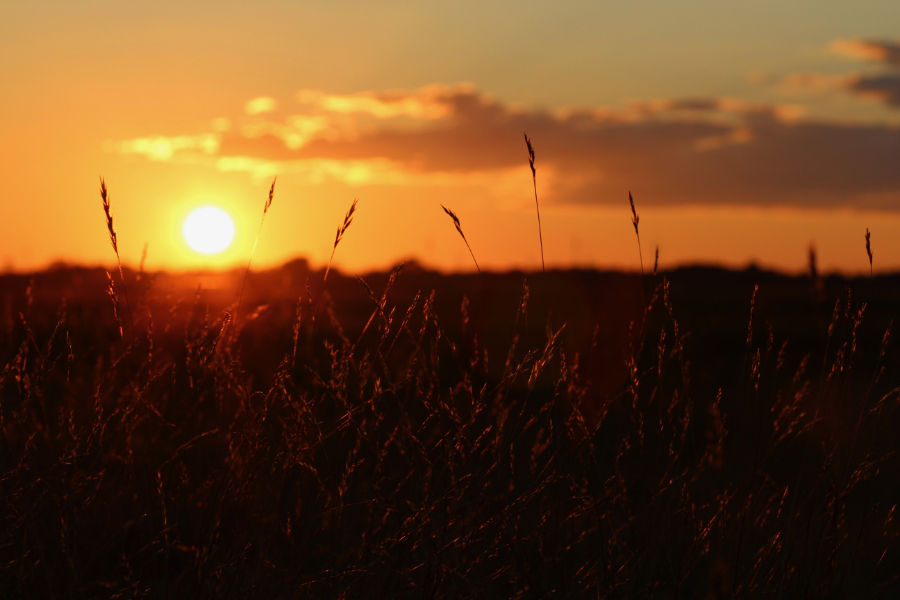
[
  {"x": 699, "y": 150},
  {"x": 882, "y": 51},
  {"x": 425, "y": 103},
  {"x": 164, "y": 148},
  {"x": 260, "y": 105},
  {"x": 882, "y": 86}
]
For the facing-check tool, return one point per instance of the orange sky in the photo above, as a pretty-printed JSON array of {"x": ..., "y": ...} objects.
[{"x": 746, "y": 133}]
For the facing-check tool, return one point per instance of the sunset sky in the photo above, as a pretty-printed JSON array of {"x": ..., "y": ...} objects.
[{"x": 746, "y": 131}]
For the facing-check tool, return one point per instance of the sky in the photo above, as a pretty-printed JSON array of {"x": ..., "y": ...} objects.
[{"x": 747, "y": 132}]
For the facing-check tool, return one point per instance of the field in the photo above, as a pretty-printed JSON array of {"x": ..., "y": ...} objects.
[{"x": 699, "y": 433}]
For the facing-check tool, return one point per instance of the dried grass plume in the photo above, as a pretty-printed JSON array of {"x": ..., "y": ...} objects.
[
  {"x": 459, "y": 229},
  {"x": 635, "y": 220},
  {"x": 869, "y": 250},
  {"x": 348, "y": 218},
  {"x": 114, "y": 240},
  {"x": 536, "y": 205}
]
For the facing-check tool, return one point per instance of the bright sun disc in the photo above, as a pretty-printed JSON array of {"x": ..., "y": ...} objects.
[{"x": 208, "y": 230}]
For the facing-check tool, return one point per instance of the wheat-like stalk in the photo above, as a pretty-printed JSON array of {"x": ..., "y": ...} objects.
[
  {"x": 869, "y": 250},
  {"x": 114, "y": 240},
  {"x": 459, "y": 229},
  {"x": 635, "y": 219},
  {"x": 252, "y": 251},
  {"x": 104, "y": 196},
  {"x": 348, "y": 218},
  {"x": 536, "y": 205}
]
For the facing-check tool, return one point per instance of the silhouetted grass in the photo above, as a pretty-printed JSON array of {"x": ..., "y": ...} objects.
[{"x": 402, "y": 448}]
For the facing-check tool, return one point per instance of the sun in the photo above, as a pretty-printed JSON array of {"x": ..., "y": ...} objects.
[{"x": 208, "y": 230}]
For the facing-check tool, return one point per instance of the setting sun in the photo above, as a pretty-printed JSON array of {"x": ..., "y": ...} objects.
[{"x": 208, "y": 230}]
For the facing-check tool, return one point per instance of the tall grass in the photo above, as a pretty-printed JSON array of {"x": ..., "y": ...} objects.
[{"x": 404, "y": 464}]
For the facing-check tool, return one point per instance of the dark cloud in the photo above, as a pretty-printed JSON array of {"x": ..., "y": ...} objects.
[
  {"x": 693, "y": 151},
  {"x": 696, "y": 104},
  {"x": 883, "y": 51},
  {"x": 884, "y": 88},
  {"x": 734, "y": 154}
]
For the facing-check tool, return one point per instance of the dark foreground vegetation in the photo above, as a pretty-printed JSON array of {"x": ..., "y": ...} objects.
[{"x": 581, "y": 435}]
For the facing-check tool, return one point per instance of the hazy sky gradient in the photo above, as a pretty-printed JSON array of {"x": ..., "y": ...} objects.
[{"x": 746, "y": 132}]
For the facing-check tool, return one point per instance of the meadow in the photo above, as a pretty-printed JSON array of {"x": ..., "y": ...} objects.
[{"x": 699, "y": 433}]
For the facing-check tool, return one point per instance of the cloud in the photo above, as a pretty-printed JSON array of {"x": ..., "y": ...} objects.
[
  {"x": 260, "y": 105},
  {"x": 882, "y": 88},
  {"x": 164, "y": 148},
  {"x": 668, "y": 151},
  {"x": 425, "y": 103},
  {"x": 817, "y": 81},
  {"x": 881, "y": 51}
]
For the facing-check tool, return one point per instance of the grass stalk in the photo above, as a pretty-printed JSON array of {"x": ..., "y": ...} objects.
[
  {"x": 250, "y": 260},
  {"x": 635, "y": 219},
  {"x": 536, "y": 205},
  {"x": 348, "y": 219},
  {"x": 453, "y": 216},
  {"x": 869, "y": 251},
  {"x": 114, "y": 240}
]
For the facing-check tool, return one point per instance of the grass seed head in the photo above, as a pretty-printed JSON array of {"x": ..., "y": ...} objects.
[
  {"x": 107, "y": 210},
  {"x": 635, "y": 218},
  {"x": 537, "y": 206},
  {"x": 454, "y": 217},
  {"x": 869, "y": 248},
  {"x": 348, "y": 218},
  {"x": 530, "y": 155},
  {"x": 456, "y": 223},
  {"x": 271, "y": 196}
]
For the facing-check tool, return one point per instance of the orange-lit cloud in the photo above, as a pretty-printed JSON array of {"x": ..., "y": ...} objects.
[
  {"x": 160, "y": 147},
  {"x": 427, "y": 103},
  {"x": 881, "y": 87},
  {"x": 883, "y": 51},
  {"x": 670, "y": 151},
  {"x": 260, "y": 105}
]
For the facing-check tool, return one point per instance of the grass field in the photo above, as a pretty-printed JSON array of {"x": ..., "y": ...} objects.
[{"x": 546, "y": 435}]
